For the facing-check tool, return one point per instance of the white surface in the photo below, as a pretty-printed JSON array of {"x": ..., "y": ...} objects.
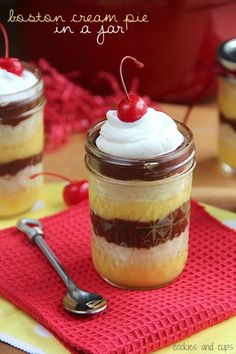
[
  {"x": 230, "y": 223},
  {"x": 20, "y": 344}
]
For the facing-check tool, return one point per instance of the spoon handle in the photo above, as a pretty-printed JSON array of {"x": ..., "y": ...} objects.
[
  {"x": 33, "y": 229},
  {"x": 40, "y": 242}
]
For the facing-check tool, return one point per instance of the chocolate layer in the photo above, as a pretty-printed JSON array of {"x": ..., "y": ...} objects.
[
  {"x": 11, "y": 168},
  {"x": 11, "y": 114},
  {"x": 142, "y": 234},
  {"x": 226, "y": 120}
]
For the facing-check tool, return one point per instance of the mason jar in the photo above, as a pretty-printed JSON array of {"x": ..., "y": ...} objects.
[
  {"x": 21, "y": 146},
  {"x": 140, "y": 213},
  {"x": 227, "y": 105}
]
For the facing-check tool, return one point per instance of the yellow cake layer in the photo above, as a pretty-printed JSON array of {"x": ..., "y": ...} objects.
[
  {"x": 227, "y": 145},
  {"x": 227, "y": 155},
  {"x": 30, "y": 147},
  {"x": 20, "y": 201},
  {"x": 132, "y": 273},
  {"x": 140, "y": 210},
  {"x": 227, "y": 97}
]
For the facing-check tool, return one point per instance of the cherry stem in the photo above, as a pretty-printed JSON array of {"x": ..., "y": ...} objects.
[
  {"x": 4, "y": 32},
  {"x": 138, "y": 64},
  {"x": 50, "y": 174}
]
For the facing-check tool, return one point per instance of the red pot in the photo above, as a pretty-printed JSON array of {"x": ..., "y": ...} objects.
[{"x": 177, "y": 45}]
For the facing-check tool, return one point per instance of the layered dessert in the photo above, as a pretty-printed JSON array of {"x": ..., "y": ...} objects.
[
  {"x": 227, "y": 106},
  {"x": 140, "y": 164},
  {"x": 227, "y": 126},
  {"x": 21, "y": 139},
  {"x": 21, "y": 133},
  {"x": 140, "y": 201}
]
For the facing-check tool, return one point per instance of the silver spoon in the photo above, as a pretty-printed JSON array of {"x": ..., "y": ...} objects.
[{"x": 76, "y": 300}]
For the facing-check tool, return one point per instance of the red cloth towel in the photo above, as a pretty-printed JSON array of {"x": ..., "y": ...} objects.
[{"x": 135, "y": 321}]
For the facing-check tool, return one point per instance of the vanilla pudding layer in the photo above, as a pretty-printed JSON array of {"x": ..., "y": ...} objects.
[
  {"x": 139, "y": 267},
  {"x": 227, "y": 97},
  {"x": 227, "y": 128},
  {"x": 227, "y": 145},
  {"x": 19, "y": 192},
  {"x": 22, "y": 140},
  {"x": 137, "y": 200}
]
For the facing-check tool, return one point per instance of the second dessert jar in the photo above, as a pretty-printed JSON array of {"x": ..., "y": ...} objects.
[{"x": 21, "y": 139}]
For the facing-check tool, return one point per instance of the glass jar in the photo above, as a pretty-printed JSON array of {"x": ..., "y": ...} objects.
[
  {"x": 140, "y": 214},
  {"x": 227, "y": 105},
  {"x": 21, "y": 147}
]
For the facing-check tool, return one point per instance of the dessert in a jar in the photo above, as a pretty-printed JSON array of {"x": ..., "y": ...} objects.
[
  {"x": 227, "y": 105},
  {"x": 140, "y": 164},
  {"x": 21, "y": 134}
]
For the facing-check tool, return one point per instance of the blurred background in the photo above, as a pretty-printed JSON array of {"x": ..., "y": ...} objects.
[{"x": 177, "y": 45}]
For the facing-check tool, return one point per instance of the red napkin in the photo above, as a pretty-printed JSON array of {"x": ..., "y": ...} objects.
[{"x": 135, "y": 321}]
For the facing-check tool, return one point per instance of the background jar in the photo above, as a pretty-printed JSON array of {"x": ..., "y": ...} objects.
[
  {"x": 227, "y": 105},
  {"x": 21, "y": 147},
  {"x": 140, "y": 214}
]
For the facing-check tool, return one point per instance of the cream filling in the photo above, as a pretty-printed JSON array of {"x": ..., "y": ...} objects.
[
  {"x": 227, "y": 134},
  {"x": 12, "y": 135},
  {"x": 140, "y": 268},
  {"x": 142, "y": 257},
  {"x": 21, "y": 181}
]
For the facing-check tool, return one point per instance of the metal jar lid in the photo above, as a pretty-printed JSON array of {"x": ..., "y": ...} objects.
[{"x": 227, "y": 54}]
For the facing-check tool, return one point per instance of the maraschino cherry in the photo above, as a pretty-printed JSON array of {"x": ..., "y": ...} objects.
[
  {"x": 132, "y": 107},
  {"x": 74, "y": 192},
  {"x": 13, "y": 65}
]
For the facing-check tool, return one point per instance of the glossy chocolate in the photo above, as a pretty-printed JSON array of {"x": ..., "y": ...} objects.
[
  {"x": 140, "y": 234},
  {"x": 226, "y": 120},
  {"x": 16, "y": 112},
  {"x": 13, "y": 167}
]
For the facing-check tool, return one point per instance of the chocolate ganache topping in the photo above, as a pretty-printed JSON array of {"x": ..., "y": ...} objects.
[{"x": 226, "y": 120}]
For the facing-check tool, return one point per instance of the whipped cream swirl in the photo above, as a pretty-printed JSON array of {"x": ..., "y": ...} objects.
[
  {"x": 152, "y": 135},
  {"x": 11, "y": 83}
]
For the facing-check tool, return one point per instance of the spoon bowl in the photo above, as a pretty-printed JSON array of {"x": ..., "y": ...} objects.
[{"x": 82, "y": 302}]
